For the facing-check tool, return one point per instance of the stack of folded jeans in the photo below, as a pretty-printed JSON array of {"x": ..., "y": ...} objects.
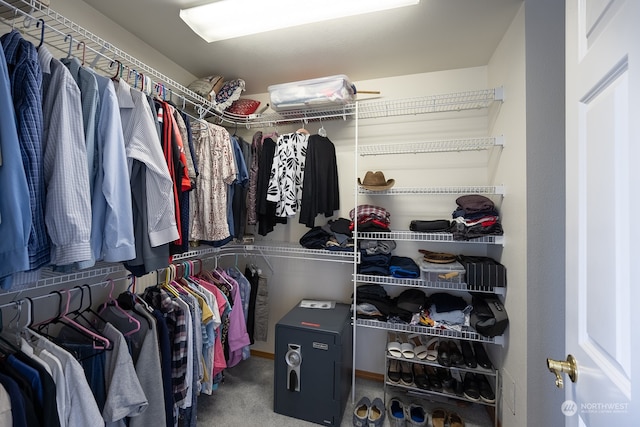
[{"x": 374, "y": 264}]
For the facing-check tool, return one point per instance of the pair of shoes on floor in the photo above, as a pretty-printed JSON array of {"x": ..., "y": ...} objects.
[
  {"x": 440, "y": 418},
  {"x": 401, "y": 415},
  {"x": 368, "y": 413}
]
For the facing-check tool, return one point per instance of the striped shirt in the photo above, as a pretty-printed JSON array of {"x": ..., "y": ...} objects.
[
  {"x": 68, "y": 203},
  {"x": 26, "y": 91}
]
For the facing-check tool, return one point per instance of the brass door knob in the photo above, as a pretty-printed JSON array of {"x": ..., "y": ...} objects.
[{"x": 569, "y": 367}]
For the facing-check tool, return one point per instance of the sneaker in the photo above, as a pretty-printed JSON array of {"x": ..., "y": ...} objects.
[
  {"x": 376, "y": 413},
  {"x": 361, "y": 412},
  {"x": 471, "y": 388},
  {"x": 396, "y": 413},
  {"x": 417, "y": 416},
  {"x": 486, "y": 393}
]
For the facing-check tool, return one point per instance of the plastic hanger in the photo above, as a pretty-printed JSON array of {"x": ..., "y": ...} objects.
[
  {"x": 84, "y": 50},
  {"x": 322, "y": 131},
  {"x": 99, "y": 342},
  {"x": 112, "y": 302},
  {"x": 115, "y": 76},
  {"x": 40, "y": 24},
  {"x": 70, "y": 38}
]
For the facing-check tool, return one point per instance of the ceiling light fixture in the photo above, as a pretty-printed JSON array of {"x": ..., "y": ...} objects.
[{"x": 227, "y": 19}]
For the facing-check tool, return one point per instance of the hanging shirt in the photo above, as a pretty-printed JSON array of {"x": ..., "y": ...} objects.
[
  {"x": 68, "y": 203},
  {"x": 287, "y": 173},
  {"x": 112, "y": 233},
  {"x": 26, "y": 91},
  {"x": 15, "y": 210},
  {"x": 217, "y": 170},
  {"x": 142, "y": 144}
]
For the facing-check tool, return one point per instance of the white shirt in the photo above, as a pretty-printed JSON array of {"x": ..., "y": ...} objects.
[{"x": 143, "y": 144}]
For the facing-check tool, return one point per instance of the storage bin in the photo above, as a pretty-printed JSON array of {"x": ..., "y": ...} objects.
[
  {"x": 320, "y": 92},
  {"x": 452, "y": 272}
]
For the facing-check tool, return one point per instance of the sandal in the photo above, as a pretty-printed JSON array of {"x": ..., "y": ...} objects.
[
  {"x": 432, "y": 350},
  {"x": 438, "y": 417},
  {"x": 419, "y": 349},
  {"x": 455, "y": 420},
  {"x": 393, "y": 346},
  {"x": 393, "y": 373},
  {"x": 406, "y": 348}
]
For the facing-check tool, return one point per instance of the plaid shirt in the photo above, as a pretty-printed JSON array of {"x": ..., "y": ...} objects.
[
  {"x": 26, "y": 90},
  {"x": 177, "y": 325},
  {"x": 369, "y": 212}
]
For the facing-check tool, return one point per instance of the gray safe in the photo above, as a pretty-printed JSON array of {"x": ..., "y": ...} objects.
[{"x": 313, "y": 362}]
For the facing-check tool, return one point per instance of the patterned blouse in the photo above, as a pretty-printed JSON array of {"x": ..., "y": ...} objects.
[{"x": 287, "y": 173}]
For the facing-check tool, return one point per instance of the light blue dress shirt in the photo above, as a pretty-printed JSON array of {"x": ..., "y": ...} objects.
[
  {"x": 68, "y": 201},
  {"x": 15, "y": 209},
  {"x": 112, "y": 238}
]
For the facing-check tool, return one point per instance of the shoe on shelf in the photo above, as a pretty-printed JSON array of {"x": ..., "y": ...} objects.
[
  {"x": 361, "y": 412},
  {"x": 406, "y": 374},
  {"x": 455, "y": 420},
  {"x": 419, "y": 349},
  {"x": 394, "y": 347},
  {"x": 432, "y": 349},
  {"x": 420, "y": 376},
  {"x": 455, "y": 357},
  {"x": 471, "y": 387},
  {"x": 481, "y": 355},
  {"x": 467, "y": 354},
  {"x": 406, "y": 347},
  {"x": 417, "y": 416},
  {"x": 448, "y": 382},
  {"x": 434, "y": 379},
  {"x": 486, "y": 392},
  {"x": 396, "y": 413},
  {"x": 439, "y": 417},
  {"x": 377, "y": 413},
  {"x": 443, "y": 353},
  {"x": 393, "y": 373}
]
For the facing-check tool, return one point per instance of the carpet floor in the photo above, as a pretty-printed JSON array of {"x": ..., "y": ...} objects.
[{"x": 245, "y": 398}]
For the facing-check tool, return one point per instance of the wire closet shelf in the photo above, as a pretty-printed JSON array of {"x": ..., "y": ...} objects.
[{"x": 60, "y": 33}]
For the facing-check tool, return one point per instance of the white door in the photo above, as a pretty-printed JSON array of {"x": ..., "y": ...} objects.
[{"x": 603, "y": 206}]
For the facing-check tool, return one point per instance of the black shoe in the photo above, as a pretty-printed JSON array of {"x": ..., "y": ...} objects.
[
  {"x": 467, "y": 354},
  {"x": 486, "y": 393},
  {"x": 454, "y": 354},
  {"x": 481, "y": 355},
  {"x": 393, "y": 373},
  {"x": 434, "y": 379},
  {"x": 420, "y": 376},
  {"x": 471, "y": 388},
  {"x": 443, "y": 353},
  {"x": 406, "y": 376},
  {"x": 448, "y": 382}
]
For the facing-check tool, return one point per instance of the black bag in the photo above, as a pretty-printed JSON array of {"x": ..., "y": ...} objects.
[{"x": 488, "y": 317}]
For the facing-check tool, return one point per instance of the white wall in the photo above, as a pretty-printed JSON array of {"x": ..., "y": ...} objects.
[{"x": 507, "y": 67}]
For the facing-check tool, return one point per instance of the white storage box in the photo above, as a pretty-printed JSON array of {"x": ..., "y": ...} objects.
[
  {"x": 320, "y": 92},
  {"x": 452, "y": 272}
]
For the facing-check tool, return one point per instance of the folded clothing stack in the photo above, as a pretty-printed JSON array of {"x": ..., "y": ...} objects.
[
  {"x": 370, "y": 218},
  {"x": 476, "y": 216}
]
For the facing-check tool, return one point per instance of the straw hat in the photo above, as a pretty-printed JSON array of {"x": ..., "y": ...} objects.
[{"x": 375, "y": 181}]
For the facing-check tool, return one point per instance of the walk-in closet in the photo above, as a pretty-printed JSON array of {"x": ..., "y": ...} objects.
[{"x": 197, "y": 238}]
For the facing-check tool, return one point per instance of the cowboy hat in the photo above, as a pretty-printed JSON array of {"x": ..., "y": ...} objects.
[{"x": 375, "y": 181}]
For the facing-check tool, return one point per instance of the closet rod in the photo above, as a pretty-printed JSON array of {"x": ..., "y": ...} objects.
[
  {"x": 96, "y": 45},
  {"x": 17, "y": 301}
]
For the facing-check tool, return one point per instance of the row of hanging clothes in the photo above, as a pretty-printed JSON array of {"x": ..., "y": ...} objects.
[
  {"x": 138, "y": 359},
  {"x": 94, "y": 169},
  {"x": 291, "y": 174}
]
